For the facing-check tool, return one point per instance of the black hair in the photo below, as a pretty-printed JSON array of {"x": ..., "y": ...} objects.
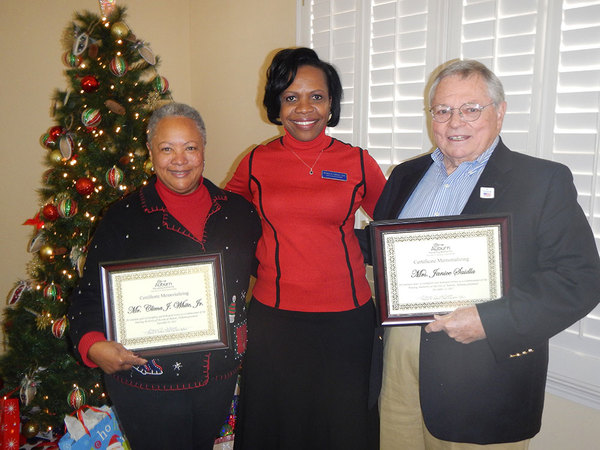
[{"x": 281, "y": 74}]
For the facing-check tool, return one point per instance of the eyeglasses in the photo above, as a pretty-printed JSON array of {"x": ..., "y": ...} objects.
[{"x": 469, "y": 112}]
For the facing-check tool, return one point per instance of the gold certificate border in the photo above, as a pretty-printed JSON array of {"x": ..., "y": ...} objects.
[
  {"x": 204, "y": 270},
  {"x": 385, "y": 235}
]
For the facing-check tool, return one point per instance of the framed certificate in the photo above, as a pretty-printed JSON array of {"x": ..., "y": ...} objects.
[
  {"x": 164, "y": 306},
  {"x": 432, "y": 266}
]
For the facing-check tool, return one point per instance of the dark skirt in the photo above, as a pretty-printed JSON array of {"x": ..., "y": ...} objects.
[
  {"x": 305, "y": 381},
  {"x": 159, "y": 420}
]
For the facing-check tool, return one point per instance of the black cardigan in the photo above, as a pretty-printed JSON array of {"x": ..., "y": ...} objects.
[{"x": 139, "y": 226}]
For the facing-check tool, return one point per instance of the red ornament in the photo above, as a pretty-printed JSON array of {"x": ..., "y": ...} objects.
[
  {"x": 59, "y": 327},
  {"x": 91, "y": 117},
  {"x": 114, "y": 176},
  {"x": 84, "y": 186},
  {"x": 161, "y": 84},
  {"x": 18, "y": 291},
  {"x": 52, "y": 291},
  {"x": 89, "y": 84},
  {"x": 50, "y": 212},
  {"x": 47, "y": 141},
  {"x": 55, "y": 132},
  {"x": 71, "y": 60},
  {"x": 67, "y": 207},
  {"x": 76, "y": 397},
  {"x": 118, "y": 66}
]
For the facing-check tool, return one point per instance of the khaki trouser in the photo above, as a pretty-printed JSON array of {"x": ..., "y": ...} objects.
[{"x": 402, "y": 426}]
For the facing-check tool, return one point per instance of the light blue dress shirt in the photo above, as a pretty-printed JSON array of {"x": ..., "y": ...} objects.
[{"x": 440, "y": 194}]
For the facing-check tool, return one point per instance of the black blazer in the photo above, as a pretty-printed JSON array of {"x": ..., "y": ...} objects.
[{"x": 492, "y": 390}]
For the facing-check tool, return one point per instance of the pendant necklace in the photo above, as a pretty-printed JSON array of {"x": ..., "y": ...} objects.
[{"x": 310, "y": 168}]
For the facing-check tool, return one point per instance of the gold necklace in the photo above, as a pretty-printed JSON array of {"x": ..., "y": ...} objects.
[{"x": 310, "y": 168}]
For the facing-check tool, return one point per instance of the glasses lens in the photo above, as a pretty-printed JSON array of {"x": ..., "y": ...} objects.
[
  {"x": 470, "y": 111},
  {"x": 441, "y": 113}
]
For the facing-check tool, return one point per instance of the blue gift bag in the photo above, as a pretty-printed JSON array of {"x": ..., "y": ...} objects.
[{"x": 105, "y": 432}]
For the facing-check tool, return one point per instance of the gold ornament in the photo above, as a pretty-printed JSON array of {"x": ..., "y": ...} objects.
[
  {"x": 152, "y": 101},
  {"x": 56, "y": 156},
  {"x": 33, "y": 267},
  {"x": 148, "y": 167},
  {"x": 43, "y": 320},
  {"x": 30, "y": 429},
  {"x": 119, "y": 30},
  {"x": 46, "y": 252}
]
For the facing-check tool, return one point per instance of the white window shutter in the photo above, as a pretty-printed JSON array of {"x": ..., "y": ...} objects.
[
  {"x": 575, "y": 363},
  {"x": 547, "y": 54}
]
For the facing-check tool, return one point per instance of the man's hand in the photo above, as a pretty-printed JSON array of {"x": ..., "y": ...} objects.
[
  {"x": 112, "y": 357},
  {"x": 463, "y": 325}
]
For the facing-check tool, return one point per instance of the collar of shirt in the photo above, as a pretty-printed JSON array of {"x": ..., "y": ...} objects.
[
  {"x": 440, "y": 194},
  {"x": 478, "y": 163}
]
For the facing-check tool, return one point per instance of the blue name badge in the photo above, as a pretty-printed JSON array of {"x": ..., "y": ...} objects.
[{"x": 331, "y": 175}]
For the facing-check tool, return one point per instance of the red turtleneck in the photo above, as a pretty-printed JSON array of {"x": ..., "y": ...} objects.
[
  {"x": 309, "y": 258},
  {"x": 189, "y": 209}
]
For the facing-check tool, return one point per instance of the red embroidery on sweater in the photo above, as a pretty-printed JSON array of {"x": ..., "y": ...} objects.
[
  {"x": 146, "y": 207},
  {"x": 181, "y": 230},
  {"x": 241, "y": 334},
  {"x": 215, "y": 208},
  {"x": 228, "y": 375}
]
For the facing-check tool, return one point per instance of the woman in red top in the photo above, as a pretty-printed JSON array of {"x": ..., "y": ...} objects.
[{"x": 311, "y": 320}]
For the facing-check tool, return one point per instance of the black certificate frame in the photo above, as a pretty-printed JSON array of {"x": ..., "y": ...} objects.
[
  {"x": 395, "y": 311},
  {"x": 163, "y": 276}
]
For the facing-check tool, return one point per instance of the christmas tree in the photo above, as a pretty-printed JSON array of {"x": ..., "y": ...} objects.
[{"x": 95, "y": 154}]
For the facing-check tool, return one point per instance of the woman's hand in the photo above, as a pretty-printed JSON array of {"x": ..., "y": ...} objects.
[{"x": 112, "y": 357}]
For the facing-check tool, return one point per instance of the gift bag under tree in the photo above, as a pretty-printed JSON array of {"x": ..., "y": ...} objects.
[{"x": 95, "y": 428}]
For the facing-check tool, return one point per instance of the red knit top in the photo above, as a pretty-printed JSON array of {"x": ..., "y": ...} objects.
[
  {"x": 309, "y": 257},
  {"x": 190, "y": 209}
]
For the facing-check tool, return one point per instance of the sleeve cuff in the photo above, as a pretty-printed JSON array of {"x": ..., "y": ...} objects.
[{"x": 86, "y": 342}]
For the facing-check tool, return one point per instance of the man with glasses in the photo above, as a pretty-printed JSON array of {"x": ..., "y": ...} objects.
[{"x": 476, "y": 376}]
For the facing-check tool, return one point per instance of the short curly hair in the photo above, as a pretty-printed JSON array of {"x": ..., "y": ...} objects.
[
  {"x": 175, "y": 109},
  {"x": 281, "y": 74}
]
